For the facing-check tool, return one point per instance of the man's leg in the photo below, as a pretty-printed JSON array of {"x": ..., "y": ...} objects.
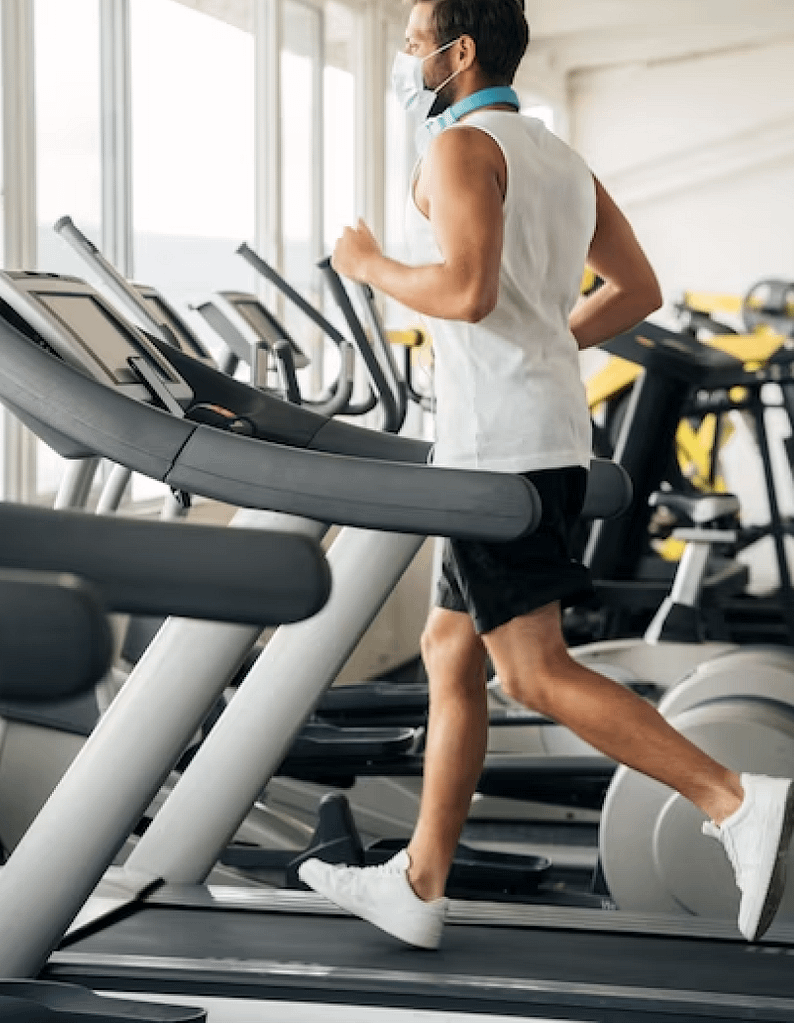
[
  {"x": 457, "y": 736},
  {"x": 535, "y": 668},
  {"x": 404, "y": 896},
  {"x": 752, "y": 815}
]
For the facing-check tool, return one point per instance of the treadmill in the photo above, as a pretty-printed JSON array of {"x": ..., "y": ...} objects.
[
  {"x": 61, "y": 574},
  {"x": 75, "y": 372},
  {"x": 253, "y": 336},
  {"x": 247, "y": 326}
]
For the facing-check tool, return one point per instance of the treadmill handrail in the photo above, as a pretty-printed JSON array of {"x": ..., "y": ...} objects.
[
  {"x": 274, "y": 277},
  {"x": 240, "y": 336},
  {"x": 393, "y": 413},
  {"x": 397, "y": 384},
  {"x": 339, "y": 401},
  {"x": 115, "y": 281},
  {"x": 159, "y": 568},
  {"x": 256, "y": 473},
  {"x": 57, "y": 640}
]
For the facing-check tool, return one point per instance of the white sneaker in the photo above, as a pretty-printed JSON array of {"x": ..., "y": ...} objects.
[
  {"x": 756, "y": 839},
  {"x": 381, "y": 895}
]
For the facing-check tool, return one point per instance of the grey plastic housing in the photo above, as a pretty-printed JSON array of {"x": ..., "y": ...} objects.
[
  {"x": 150, "y": 567},
  {"x": 252, "y": 472}
]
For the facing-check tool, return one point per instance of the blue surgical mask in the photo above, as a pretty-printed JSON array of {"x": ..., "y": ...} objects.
[{"x": 409, "y": 84}]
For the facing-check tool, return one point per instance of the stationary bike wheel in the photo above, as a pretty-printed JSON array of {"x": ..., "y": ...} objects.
[
  {"x": 739, "y": 708},
  {"x": 653, "y": 855}
]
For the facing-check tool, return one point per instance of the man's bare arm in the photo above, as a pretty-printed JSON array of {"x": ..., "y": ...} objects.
[
  {"x": 630, "y": 290},
  {"x": 464, "y": 185}
]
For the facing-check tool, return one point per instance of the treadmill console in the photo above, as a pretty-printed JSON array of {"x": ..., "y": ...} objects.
[
  {"x": 69, "y": 318},
  {"x": 675, "y": 355},
  {"x": 242, "y": 321},
  {"x": 179, "y": 333}
]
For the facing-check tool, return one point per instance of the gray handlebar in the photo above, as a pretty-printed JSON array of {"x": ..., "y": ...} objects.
[{"x": 256, "y": 473}]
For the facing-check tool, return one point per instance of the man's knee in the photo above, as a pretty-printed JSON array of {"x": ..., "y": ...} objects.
[
  {"x": 523, "y": 687},
  {"x": 443, "y": 630},
  {"x": 535, "y": 683},
  {"x": 449, "y": 638}
]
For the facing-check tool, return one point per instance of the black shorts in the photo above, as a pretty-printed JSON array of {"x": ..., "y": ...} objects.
[{"x": 495, "y": 582}]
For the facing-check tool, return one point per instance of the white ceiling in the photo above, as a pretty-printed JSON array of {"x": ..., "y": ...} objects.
[
  {"x": 597, "y": 33},
  {"x": 580, "y": 34}
]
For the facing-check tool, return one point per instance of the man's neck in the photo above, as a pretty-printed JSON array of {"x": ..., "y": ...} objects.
[{"x": 470, "y": 86}]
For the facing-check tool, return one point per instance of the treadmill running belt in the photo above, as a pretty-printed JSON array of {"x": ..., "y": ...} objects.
[{"x": 580, "y": 974}]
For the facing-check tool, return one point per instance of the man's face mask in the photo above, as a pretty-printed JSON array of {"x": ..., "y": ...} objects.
[{"x": 409, "y": 84}]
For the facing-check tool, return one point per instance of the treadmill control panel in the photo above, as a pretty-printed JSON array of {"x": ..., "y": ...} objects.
[
  {"x": 243, "y": 321},
  {"x": 177, "y": 330},
  {"x": 74, "y": 322}
]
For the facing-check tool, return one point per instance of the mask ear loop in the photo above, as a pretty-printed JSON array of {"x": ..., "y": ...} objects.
[
  {"x": 453, "y": 75},
  {"x": 435, "y": 53}
]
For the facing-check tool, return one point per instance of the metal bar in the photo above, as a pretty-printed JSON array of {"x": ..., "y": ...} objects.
[
  {"x": 688, "y": 582},
  {"x": 133, "y": 304},
  {"x": 267, "y": 136},
  {"x": 371, "y": 156},
  {"x": 19, "y": 222},
  {"x": 274, "y": 277},
  {"x": 116, "y": 111},
  {"x": 113, "y": 490},
  {"x": 247, "y": 744},
  {"x": 776, "y": 525},
  {"x": 75, "y": 485}
]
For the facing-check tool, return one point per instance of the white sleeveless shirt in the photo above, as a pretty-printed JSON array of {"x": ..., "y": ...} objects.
[{"x": 509, "y": 393}]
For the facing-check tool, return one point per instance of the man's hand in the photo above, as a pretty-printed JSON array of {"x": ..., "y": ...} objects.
[{"x": 354, "y": 252}]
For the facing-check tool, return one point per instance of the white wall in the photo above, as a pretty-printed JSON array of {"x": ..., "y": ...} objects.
[{"x": 700, "y": 154}]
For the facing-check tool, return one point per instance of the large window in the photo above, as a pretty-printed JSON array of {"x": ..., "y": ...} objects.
[
  {"x": 68, "y": 147},
  {"x": 301, "y": 172},
  {"x": 301, "y": 57},
  {"x": 400, "y": 157},
  {"x": 193, "y": 153},
  {"x": 340, "y": 121},
  {"x": 341, "y": 167},
  {"x": 193, "y": 149},
  {"x": 3, "y": 414},
  {"x": 318, "y": 156},
  {"x": 2, "y": 205},
  {"x": 68, "y": 150}
]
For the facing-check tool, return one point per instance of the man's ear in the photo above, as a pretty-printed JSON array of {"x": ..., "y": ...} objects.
[{"x": 466, "y": 51}]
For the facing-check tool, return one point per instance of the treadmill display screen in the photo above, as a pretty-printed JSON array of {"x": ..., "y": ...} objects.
[
  {"x": 183, "y": 338},
  {"x": 99, "y": 332},
  {"x": 255, "y": 316}
]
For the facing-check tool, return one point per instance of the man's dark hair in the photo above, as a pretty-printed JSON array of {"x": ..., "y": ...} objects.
[{"x": 498, "y": 27}]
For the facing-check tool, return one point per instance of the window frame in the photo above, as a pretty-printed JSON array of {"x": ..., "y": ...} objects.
[{"x": 374, "y": 26}]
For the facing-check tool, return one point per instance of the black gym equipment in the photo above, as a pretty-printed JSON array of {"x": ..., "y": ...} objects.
[
  {"x": 122, "y": 565},
  {"x": 210, "y": 946},
  {"x": 682, "y": 378}
]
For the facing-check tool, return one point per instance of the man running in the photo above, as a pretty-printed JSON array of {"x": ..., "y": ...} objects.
[{"x": 502, "y": 218}]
